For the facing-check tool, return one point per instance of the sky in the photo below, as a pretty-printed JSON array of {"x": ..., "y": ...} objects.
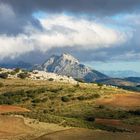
[{"x": 101, "y": 33}]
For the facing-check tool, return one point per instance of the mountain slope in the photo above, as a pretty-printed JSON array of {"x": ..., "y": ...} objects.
[
  {"x": 70, "y": 66},
  {"x": 116, "y": 82}
]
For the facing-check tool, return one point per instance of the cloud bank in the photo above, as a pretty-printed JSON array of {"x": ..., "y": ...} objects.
[
  {"x": 61, "y": 31},
  {"x": 90, "y": 29}
]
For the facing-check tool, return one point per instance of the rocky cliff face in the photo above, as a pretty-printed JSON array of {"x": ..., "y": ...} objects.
[{"x": 66, "y": 64}]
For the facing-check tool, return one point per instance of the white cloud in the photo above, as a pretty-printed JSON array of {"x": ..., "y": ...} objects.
[
  {"x": 61, "y": 31},
  {"x": 14, "y": 46},
  {"x": 87, "y": 33}
]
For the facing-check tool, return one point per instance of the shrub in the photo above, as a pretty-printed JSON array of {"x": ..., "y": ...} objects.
[
  {"x": 36, "y": 101},
  {"x": 65, "y": 98},
  {"x": 44, "y": 99},
  {"x": 101, "y": 106},
  {"x": 100, "y": 84},
  {"x": 51, "y": 79},
  {"x": 96, "y": 96},
  {"x": 79, "y": 80},
  {"x": 1, "y": 84},
  {"x": 23, "y": 75},
  {"x": 90, "y": 119},
  {"x": 135, "y": 112},
  {"x": 17, "y": 70},
  {"x": 4, "y": 75},
  {"x": 81, "y": 98},
  {"x": 12, "y": 72}
]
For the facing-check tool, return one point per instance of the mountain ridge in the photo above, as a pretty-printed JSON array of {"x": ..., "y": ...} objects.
[{"x": 66, "y": 64}]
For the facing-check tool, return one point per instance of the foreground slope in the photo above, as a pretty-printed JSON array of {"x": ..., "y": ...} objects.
[{"x": 102, "y": 109}]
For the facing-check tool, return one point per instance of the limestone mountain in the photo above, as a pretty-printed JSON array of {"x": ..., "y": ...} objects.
[{"x": 66, "y": 64}]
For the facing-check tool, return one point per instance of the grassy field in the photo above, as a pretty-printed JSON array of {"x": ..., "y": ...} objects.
[{"x": 80, "y": 105}]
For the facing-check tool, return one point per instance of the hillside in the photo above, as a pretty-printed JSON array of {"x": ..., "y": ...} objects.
[
  {"x": 34, "y": 75},
  {"x": 96, "y": 107},
  {"x": 66, "y": 64},
  {"x": 117, "y": 82}
]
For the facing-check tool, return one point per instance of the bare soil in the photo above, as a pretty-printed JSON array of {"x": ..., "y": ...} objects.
[
  {"x": 121, "y": 100},
  {"x": 9, "y": 108},
  {"x": 85, "y": 134}
]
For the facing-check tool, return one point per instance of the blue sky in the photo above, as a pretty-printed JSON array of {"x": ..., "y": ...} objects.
[{"x": 115, "y": 66}]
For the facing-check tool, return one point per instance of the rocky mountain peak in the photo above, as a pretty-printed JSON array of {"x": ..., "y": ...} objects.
[
  {"x": 68, "y": 57},
  {"x": 66, "y": 64}
]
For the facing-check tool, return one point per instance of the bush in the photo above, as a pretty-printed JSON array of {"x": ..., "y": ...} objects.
[
  {"x": 1, "y": 84},
  {"x": 4, "y": 75},
  {"x": 12, "y": 72},
  {"x": 101, "y": 106},
  {"x": 44, "y": 99},
  {"x": 51, "y": 79},
  {"x": 100, "y": 84},
  {"x": 79, "y": 80},
  {"x": 65, "y": 98},
  {"x": 90, "y": 119},
  {"x": 23, "y": 75},
  {"x": 36, "y": 101},
  {"x": 81, "y": 98},
  {"x": 17, "y": 70},
  {"x": 96, "y": 96},
  {"x": 135, "y": 112}
]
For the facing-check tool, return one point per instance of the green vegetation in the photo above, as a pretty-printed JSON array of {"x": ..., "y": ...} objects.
[
  {"x": 4, "y": 75},
  {"x": 17, "y": 70},
  {"x": 133, "y": 121},
  {"x": 131, "y": 88},
  {"x": 66, "y": 104},
  {"x": 50, "y": 79},
  {"x": 23, "y": 75},
  {"x": 1, "y": 84},
  {"x": 65, "y": 98}
]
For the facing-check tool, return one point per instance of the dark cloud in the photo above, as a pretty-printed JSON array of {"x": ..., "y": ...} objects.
[
  {"x": 16, "y": 25},
  {"x": 24, "y": 9},
  {"x": 94, "y": 6}
]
